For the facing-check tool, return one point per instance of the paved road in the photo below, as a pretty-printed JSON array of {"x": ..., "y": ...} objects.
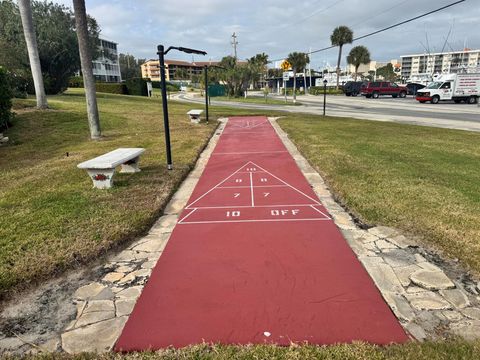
[{"x": 408, "y": 110}]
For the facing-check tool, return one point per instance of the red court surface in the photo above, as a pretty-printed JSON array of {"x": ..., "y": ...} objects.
[{"x": 255, "y": 258}]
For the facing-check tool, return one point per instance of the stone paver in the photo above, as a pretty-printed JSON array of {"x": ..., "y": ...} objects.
[
  {"x": 432, "y": 280},
  {"x": 89, "y": 291},
  {"x": 428, "y": 301},
  {"x": 124, "y": 306},
  {"x": 471, "y": 313},
  {"x": 456, "y": 297},
  {"x": 113, "y": 276},
  {"x": 99, "y": 337}
]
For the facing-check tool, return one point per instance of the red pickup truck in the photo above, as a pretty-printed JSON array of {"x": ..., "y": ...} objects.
[{"x": 377, "y": 88}]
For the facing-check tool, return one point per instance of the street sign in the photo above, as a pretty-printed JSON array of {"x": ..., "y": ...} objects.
[
  {"x": 286, "y": 76},
  {"x": 285, "y": 65}
]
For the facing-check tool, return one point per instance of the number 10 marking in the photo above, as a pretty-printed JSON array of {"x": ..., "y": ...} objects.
[{"x": 233, "y": 213}]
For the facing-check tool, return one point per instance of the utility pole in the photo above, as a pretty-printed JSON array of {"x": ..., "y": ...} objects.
[
  {"x": 310, "y": 69},
  {"x": 234, "y": 44}
]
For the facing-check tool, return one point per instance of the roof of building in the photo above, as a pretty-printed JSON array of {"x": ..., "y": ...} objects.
[
  {"x": 465, "y": 51},
  {"x": 110, "y": 41}
]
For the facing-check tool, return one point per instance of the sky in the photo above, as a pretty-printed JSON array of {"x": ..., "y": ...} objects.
[{"x": 278, "y": 27}]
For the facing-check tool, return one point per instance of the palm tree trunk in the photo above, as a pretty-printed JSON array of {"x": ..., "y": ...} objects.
[
  {"x": 87, "y": 72},
  {"x": 294, "y": 86},
  {"x": 338, "y": 64},
  {"x": 32, "y": 47}
]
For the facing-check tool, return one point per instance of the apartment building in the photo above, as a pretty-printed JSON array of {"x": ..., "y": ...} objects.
[
  {"x": 106, "y": 67},
  {"x": 373, "y": 65},
  {"x": 151, "y": 69},
  {"x": 437, "y": 63}
]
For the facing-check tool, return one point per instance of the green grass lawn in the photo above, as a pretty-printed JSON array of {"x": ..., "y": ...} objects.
[
  {"x": 449, "y": 350},
  {"x": 51, "y": 218},
  {"x": 422, "y": 180}
]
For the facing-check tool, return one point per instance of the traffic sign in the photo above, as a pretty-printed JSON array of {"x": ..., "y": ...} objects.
[
  {"x": 286, "y": 76},
  {"x": 285, "y": 65}
]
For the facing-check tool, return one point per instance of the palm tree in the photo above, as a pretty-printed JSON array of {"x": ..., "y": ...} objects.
[
  {"x": 86, "y": 64},
  {"x": 32, "y": 48},
  {"x": 341, "y": 35},
  {"x": 358, "y": 55},
  {"x": 258, "y": 67},
  {"x": 298, "y": 60}
]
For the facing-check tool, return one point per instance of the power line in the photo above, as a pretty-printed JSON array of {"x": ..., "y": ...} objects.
[
  {"x": 380, "y": 13},
  {"x": 388, "y": 27}
]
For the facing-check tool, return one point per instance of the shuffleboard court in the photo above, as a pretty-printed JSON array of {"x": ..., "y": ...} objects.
[{"x": 256, "y": 258}]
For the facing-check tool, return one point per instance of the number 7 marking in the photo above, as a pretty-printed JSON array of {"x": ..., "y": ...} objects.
[
  {"x": 266, "y": 194},
  {"x": 236, "y": 195}
]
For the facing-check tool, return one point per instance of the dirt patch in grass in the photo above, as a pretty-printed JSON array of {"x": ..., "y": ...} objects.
[{"x": 419, "y": 179}]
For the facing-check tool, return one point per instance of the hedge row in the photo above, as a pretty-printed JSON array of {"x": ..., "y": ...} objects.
[
  {"x": 134, "y": 86},
  {"x": 170, "y": 86},
  {"x": 111, "y": 88},
  {"x": 318, "y": 90},
  {"x": 6, "y": 95}
]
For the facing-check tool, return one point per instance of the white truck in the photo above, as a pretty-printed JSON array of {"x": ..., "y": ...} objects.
[{"x": 456, "y": 87}]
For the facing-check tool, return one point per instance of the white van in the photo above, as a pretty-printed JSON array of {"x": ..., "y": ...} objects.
[{"x": 456, "y": 87}]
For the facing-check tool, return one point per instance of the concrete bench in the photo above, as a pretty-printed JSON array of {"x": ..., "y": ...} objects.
[
  {"x": 195, "y": 115},
  {"x": 102, "y": 168}
]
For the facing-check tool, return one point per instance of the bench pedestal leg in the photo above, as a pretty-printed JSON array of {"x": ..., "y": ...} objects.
[
  {"x": 102, "y": 178},
  {"x": 131, "y": 166}
]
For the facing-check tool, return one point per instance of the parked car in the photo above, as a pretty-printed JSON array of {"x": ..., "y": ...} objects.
[
  {"x": 352, "y": 88},
  {"x": 378, "y": 88},
  {"x": 413, "y": 88}
]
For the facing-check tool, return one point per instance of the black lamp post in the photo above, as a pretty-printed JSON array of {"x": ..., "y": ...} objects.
[
  {"x": 161, "y": 52},
  {"x": 324, "y": 95}
]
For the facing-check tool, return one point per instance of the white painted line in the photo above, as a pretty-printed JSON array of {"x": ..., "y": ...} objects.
[
  {"x": 190, "y": 213},
  {"x": 251, "y": 190},
  {"x": 246, "y": 187},
  {"x": 244, "y": 221},
  {"x": 248, "y": 125},
  {"x": 248, "y": 206},
  {"x": 314, "y": 208},
  {"x": 250, "y": 152},
  {"x": 276, "y": 177},
  {"x": 220, "y": 183}
]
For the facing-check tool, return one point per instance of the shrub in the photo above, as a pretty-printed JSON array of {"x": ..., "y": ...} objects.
[
  {"x": 111, "y": 88},
  {"x": 75, "y": 82},
  {"x": 170, "y": 86},
  {"x": 136, "y": 86},
  {"x": 5, "y": 99},
  {"x": 18, "y": 85},
  {"x": 318, "y": 90}
]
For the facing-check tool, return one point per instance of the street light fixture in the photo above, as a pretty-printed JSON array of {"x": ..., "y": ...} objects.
[
  {"x": 161, "y": 52},
  {"x": 324, "y": 95}
]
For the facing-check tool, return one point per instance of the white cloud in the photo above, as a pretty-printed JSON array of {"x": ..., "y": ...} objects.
[{"x": 278, "y": 27}]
